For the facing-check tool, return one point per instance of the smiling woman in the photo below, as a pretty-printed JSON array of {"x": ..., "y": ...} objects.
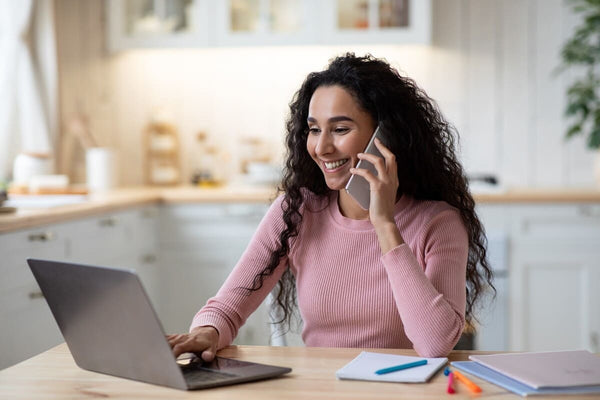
[{"x": 405, "y": 273}]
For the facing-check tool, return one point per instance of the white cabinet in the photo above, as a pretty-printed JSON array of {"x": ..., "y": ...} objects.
[
  {"x": 266, "y": 22},
  {"x": 376, "y": 21},
  {"x": 124, "y": 239},
  {"x": 200, "y": 244},
  {"x": 28, "y": 326},
  {"x": 102, "y": 240},
  {"x": 492, "y": 328},
  {"x": 555, "y": 277},
  {"x": 145, "y": 251},
  {"x": 157, "y": 23},
  {"x": 198, "y": 247},
  {"x": 548, "y": 277},
  {"x": 199, "y": 23}
]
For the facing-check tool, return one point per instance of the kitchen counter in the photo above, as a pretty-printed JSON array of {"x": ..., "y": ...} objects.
[
  {"x": 540, "y": 195},
  {"x": 124, "y": 198}
]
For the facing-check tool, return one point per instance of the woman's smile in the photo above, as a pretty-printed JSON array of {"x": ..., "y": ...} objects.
[{"x": 335, "y": 166}]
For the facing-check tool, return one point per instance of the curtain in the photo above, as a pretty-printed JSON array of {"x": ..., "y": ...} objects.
[{"x": 28, "y": 80}]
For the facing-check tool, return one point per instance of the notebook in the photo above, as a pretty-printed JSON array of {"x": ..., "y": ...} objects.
[
  {"x": 517, "y": 387},
  {"x": 110, "y": 327},
  {"x": 363, "y": 367},
  {"x": 546, "y": 369}
]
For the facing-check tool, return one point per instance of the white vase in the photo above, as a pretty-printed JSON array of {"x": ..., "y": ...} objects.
[{"x": 101, "y": 169}]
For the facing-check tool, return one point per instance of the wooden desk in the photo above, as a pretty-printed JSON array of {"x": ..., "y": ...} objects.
[{"x": 53, "y": 374}]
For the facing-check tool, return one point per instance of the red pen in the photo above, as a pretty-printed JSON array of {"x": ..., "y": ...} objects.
[{"x": 451, "y": 383}]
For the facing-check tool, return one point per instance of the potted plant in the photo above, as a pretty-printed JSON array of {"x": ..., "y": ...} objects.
[{"x": 581, "y": 52}]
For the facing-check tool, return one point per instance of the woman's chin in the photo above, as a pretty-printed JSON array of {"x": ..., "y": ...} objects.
[{"x": 337, "y": 184}]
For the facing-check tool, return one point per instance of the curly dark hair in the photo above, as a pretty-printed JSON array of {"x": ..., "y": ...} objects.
[{"x": 413, "y": 129}]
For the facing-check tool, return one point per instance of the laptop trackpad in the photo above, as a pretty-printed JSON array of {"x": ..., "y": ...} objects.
[{"x": 223, "y": 371}]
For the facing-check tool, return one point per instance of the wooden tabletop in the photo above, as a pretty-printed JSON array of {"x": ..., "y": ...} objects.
[{"x": 54, "y": 375}]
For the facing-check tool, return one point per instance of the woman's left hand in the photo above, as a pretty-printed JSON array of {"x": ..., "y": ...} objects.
[{"x": 383, "y": 187}]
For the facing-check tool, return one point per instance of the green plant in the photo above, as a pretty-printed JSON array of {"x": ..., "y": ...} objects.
[{"x": 582, "y": 52}]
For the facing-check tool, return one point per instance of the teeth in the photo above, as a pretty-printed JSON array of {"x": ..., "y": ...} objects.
[{"x": 335, "y": 164}]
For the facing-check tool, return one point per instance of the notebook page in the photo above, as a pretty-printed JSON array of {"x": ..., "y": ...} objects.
[{"x": 363, "y": 367}]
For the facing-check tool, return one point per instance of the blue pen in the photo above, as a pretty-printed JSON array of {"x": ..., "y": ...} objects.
[{"x": 401, "y": 367}]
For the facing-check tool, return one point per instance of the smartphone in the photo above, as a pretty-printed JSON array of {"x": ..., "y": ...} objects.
[{"x": 358, "y": 187}]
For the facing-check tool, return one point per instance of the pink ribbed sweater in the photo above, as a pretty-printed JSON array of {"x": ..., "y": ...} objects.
[{"x": 349, "y": 294}]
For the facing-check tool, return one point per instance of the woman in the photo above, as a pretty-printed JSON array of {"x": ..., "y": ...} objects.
[{"x": 405, "y": 273}]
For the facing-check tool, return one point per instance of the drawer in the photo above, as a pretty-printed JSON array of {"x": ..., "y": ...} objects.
[
  {"x": 565, "y": 222},
  {"x": 17, "y": 247},
  {"x": 100, "y": 240},
  {"x": 28, "y": 327}
]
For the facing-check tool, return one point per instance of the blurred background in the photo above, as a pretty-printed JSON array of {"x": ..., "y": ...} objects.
[{"x": 223, "y": 72}]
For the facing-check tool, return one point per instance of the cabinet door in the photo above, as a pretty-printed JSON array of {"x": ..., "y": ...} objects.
[
  {"x": 104, "y": 240},
  {"x": 554, "y": 305},
  {"x": 200, "y": 245},
  {"x": 376, "y": 21},
  {"x": 125, "y": 239},
  {"x": 555, "y": 277},
  {"x": 28, "y": 327},
  {"x": 492, "y": 328},
  {"x": 157, "y": 23},
  {"x": 144, "y": 253},
  {"x": 267, "y": 22}
]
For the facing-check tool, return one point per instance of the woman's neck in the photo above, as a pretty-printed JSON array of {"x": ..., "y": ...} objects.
[{"x": 349, "y": 208}]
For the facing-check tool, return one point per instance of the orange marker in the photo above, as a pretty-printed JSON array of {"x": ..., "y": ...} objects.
[{"x": 466, "y": 381}]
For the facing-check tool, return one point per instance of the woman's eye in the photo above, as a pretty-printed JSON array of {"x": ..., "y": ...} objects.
[
  {"x": 341, "y": 129},
  {"x": 313, "y": 131}
]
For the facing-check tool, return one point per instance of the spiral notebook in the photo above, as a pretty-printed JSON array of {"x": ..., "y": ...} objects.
[{"x": 363, "y": 368}]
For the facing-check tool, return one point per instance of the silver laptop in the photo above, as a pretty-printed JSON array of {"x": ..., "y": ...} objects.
[{"x": 110, "y": 327}]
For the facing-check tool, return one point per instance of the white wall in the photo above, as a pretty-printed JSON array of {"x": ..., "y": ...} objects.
[
  {"x": 507, "y": 100},
  {"x": 490, "y": 68}
]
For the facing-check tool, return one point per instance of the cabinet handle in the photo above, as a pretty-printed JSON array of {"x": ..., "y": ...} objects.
[
  {"x": 149, "y": 213},
  {"x": 110, "y": 221},
  {"x": 148, "y": 258},
  {"x": 41, "y": 236},
  {"x": 36, "y": 295},
  {"x": 589, "y": 211}
]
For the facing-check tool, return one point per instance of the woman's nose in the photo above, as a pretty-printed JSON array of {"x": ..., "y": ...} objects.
[{"x": 324, "y": 143}]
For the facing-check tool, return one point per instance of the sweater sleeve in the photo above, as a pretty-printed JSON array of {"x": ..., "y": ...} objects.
[
  {"x": 229, "y": 309},
  {"x": 431, "y": 298}
]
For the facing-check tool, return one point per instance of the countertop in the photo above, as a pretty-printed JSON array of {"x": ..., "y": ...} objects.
[{"x": 129, "y": 197}]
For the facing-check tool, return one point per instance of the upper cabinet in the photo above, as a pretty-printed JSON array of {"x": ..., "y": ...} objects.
[
  {"x": 200, "y": 23},
  {"x": 377, "y": 21},
  {"x": 266, "y": 22},
  {"x": 157, "y": 23}
]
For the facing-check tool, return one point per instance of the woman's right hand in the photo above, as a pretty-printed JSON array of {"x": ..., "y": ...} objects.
[{"x": 202, "y": 341}]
